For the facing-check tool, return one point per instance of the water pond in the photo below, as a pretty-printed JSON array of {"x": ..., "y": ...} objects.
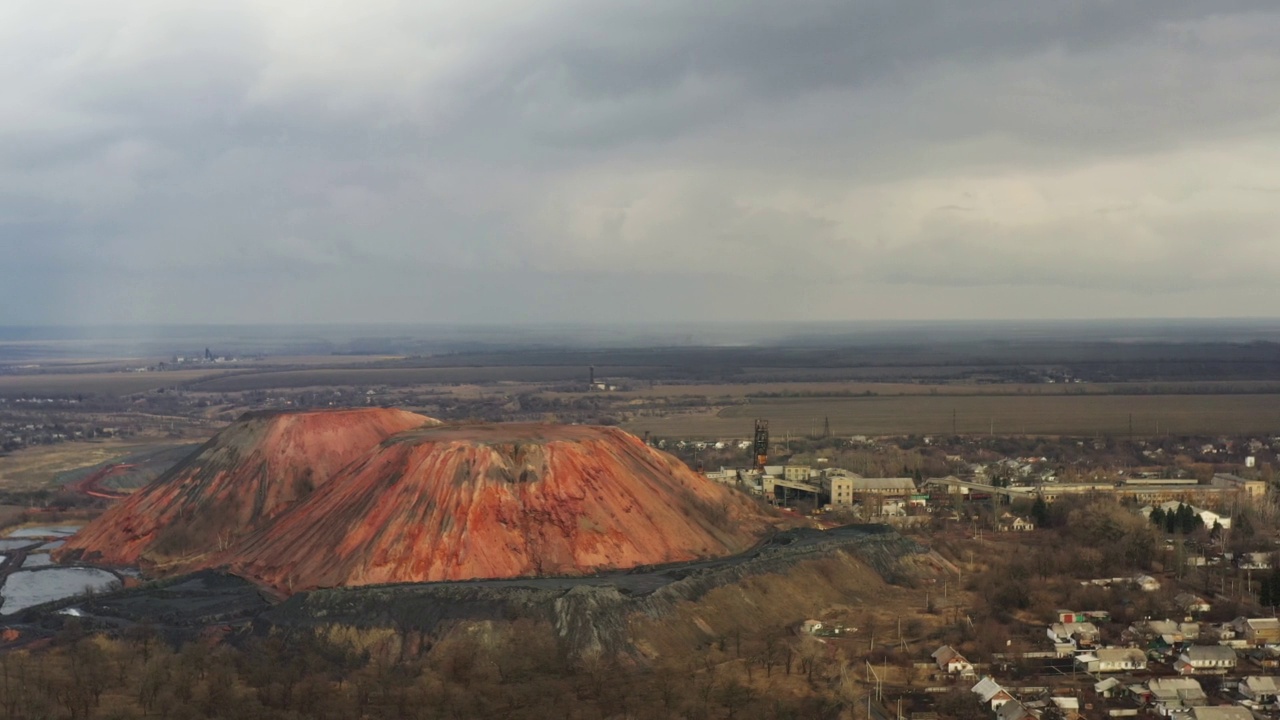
[
  {"x": 32, "y": 587},
  {"x": 45, "y": 531}
]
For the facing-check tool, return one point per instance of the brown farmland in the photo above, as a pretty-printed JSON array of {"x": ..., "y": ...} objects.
[
  {"x": 362, "y": 377},
  {"x": 107, "y": 383},
  {"x": 1004, "y": 415}
]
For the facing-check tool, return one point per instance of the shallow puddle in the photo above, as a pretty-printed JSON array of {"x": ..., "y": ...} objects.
[
  {"x": 41, "y": 531},
  {"x": 32, "y": 587}
]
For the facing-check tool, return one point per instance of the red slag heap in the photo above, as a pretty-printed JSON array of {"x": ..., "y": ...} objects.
[
  {"x": 498, "y": 501},
  {"x": 239, "y": 481}
]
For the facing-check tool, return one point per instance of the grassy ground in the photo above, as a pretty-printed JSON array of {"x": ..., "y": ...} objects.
[
  {"x": 363, "y": 377},
  {"x": 39, "y": 467},
  {"x": 929, "y": 414},
  {"x": 118, "y": 383},
  {"x": 845, "y": 389}
]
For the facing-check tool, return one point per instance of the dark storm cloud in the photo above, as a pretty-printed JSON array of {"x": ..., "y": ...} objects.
[{"x": 487, "y": 161}]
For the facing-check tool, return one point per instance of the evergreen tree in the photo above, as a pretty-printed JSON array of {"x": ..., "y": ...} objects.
[
  {"x": 1040, "y": 512},
  {"x": 1187, "y": 519},
  {"x": 1171, "y": 522},
  {"x": 1157, "y": 517},
  {"x": 1269, "y": 589}
]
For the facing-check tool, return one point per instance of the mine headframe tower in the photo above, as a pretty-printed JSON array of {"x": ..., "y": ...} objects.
[{"x": 761, "y": 444}]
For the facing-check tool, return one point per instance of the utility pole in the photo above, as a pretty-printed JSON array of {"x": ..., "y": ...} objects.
[{"x": 871, "y": 671}]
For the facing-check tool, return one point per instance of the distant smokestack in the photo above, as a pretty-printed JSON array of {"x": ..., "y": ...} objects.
[{"x": 593, "y": 375}]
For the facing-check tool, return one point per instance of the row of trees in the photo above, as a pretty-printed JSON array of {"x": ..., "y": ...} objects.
[{"x": 1184, "y": 520}]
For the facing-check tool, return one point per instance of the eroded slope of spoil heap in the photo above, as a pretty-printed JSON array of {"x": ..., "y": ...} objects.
[
  {"x": 497, "y": 501},
  {"x": 240, "y": 480}
]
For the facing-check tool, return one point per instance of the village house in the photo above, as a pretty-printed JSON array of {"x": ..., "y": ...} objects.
[
  {"x": 1146, "y": 583},
  {"x": 1223, "y": 633},
  {"x": 1267, "y": 658},
  {"x": 1191, "y": 604},
  {"x": 1164, "y": 634},
  {"x": 991, "y": 694},
  {"x": 1076, "y": 616},
  {"x": 1108, "y": 688},
  {"x": 1221, "y": 712},
  {"x": 1079, "y": 635},
  {"x": 1106, "y": 660},
  {"x": 1069, "y": 707},
  {"x": 952, "y": 662},
  {"x": 1014, "y": 710},
  {"x": 1251, "y": 560},
  {"x": 817, "y": 627},
  {"x": 1258, "y": 631},
  {"x": 1205, "y": 659},
  {"x": 1012, "y": 523},
  {"x": 1261, "y": 689},
  {"x": 1170, "y": 695}
]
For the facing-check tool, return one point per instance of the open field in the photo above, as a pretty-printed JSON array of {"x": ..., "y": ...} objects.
[
  {"x": 817, "y": 390},
  {"x": 1036, "y": 415},
  {"x": 119, "y": 383},
  {"x": 362, "y": 377},
  {"x": 98, "y": 377},
  {"x": 39, "y": 467}
]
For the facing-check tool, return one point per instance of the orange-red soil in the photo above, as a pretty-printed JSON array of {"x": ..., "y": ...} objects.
[
  {"x": 493, "y": 501},
  {"x": 327, "y": 499},
  {"x": 242, "y": 478}
]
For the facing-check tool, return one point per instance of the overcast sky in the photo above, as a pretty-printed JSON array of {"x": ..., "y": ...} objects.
[{"x": 637, "y": 160}]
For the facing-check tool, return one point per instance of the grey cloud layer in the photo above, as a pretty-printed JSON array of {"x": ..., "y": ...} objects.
[{"x": 381, "y": 160}]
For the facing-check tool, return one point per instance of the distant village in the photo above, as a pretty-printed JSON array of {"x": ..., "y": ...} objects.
[
  {"x": 891, "y": 499},
  {"x": 1171, "y": 668},
  {"x": 1205, "y": 646}
]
